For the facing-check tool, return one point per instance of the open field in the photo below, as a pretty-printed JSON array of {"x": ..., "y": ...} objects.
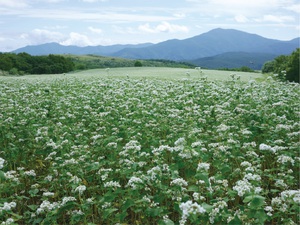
[
  {"x": 149, "y": 146},
  {"x": 153, "y": 72}
]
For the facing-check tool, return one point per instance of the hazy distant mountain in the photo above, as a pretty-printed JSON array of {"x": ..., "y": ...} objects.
[
  {"x": 240, "y": 48},
  {"x": 234, "y": 60},
  {"x": 212, "y": 43},
  {"x": 55, "y": 48}
]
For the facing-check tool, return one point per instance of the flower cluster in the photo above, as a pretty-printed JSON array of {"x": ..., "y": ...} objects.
[{"x": 188, "y": 208}]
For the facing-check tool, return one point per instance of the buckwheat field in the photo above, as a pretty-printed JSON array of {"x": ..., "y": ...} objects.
[{"x": 122, "y": 150}]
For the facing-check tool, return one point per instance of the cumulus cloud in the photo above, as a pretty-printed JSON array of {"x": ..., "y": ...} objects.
[
  {"x": 163, "y": 27},
  {"x": 39, "y": 36},
  {"x": 77, "y": 39}
]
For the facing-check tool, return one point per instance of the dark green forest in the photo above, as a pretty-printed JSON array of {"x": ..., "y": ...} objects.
[
  {"x": 23, "y": 63},
  {"x": 284, "y": 67}
]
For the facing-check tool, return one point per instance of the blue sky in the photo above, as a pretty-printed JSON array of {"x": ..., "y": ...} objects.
[{"x": 107, "y": 22}]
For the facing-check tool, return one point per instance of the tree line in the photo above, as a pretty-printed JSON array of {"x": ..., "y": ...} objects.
[
  {"x": 284, "y": 67},
  {"x": 23, "y": 63}
]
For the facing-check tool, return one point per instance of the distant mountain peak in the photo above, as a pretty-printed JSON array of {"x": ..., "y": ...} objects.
[{"x": 214, "y": 42}]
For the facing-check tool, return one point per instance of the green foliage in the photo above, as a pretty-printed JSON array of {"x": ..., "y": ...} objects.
[
  {"x": 292, "y": 71},
  {"x": 24, "y": 63},
  {"x": 93, "y": 61},
  {"x": 138, "y": 63},
  {"x": 285, "y": 67},
  {"x": 107, "y": 150},
  {"x": 241, "y": 69},
  {"x": 268, "y": 67},
  {"x": 13, "y": 71}
]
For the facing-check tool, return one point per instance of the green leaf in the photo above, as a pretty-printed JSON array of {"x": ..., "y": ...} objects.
[
  {"x": 207, "y": 207},
  {"x": 166, "y": 222},
  {"x": 261, "y": 216},
  {"x": 235, "y": 221},
  {"x": 66, "y": 207},
  {"x": 127, "y": 204},
  {"x": 107, "y": 212},
  {"x": 153, "y": 212},
  {"x": 257, "y": 202},
  {"x": 32, "y": 207},
  {"x": 204, "y": 177},
  {"x": 193, "y": 188},
  {"x": 2, "y": 176},
  {"x": 248, "y": 199}
]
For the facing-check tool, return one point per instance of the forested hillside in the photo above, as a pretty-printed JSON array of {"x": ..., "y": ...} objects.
[{"x": 24, "y": 63}]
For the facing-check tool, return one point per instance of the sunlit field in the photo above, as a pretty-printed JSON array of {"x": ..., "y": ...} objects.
[
  {"x": 153, "y": 73},
  {"x": 149, "y": 146}
]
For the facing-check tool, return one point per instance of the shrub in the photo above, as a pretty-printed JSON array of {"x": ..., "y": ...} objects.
[{"x": 138, "y": 64}]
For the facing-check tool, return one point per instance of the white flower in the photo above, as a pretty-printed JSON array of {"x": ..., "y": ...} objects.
[
  {"x": 77, "y": 212},
  {"x": 179, "y": 181},
  {"x": 269, "y": 210},
  {"x": 284, "y": 159},
  {"x": 179, "y": 142},
  {"x": 30, "y": 173},
  {"x": 8, "y": 206},
  {"x": 264, "y": 147},
  {"x": 188, "y": 208},
  {"x": 250, "y": 176},
  {"x": 67, "y": 199},
  {"x": 113, "y": 184},
  {"x": 133, "y": 181},
  {"x": 242, "y": 187},
  {"x": 46, "y": 206},
  {"x": 80, "y": 189},
  {"x": 246, "y": 164},
  {"x": 203, "y": 166},
  {"x": 2, "y": 161},
  {"x": 48, "y": 194},
  {"x": 8, "y": 221}
]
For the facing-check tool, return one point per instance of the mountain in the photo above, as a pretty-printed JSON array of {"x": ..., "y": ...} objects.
[
  {"x": 55, "y": 48},
  {"x": 254, "y": 61},
  {"x": 224, "y": 47},
  {"x": 212, "y": 43}
]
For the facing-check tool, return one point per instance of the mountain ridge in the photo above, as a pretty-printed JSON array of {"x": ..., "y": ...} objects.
[{"x": 212, "y": 43}]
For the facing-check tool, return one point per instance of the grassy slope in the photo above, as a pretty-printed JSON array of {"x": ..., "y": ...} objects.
[
  {"x": 95, "y": 62},
  {"x": 153, "y": 72}
]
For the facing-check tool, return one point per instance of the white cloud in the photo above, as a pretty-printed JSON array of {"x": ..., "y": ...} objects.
[
  {"x": 13, "y": 3},
  {"x": 179, "y": 15},
  {"x": 163, "y": 27},
  {"x": 77, "y": 39},
  {"x": 294, "y": 8},
  {"x": 39, "y": 36},
  {"x": 241, "y": 19},
  {"x": 95, "y": 30},
  {"x": 277, "y": 19},
  {"x": 92, "y": 1},
  {"x": 251, "y": 8}
]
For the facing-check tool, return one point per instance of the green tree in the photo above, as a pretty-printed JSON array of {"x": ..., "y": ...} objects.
[
  {"x": 138, "y": 63},
  {"x": 13, "y": 71},
  {"x": 268, "y": 67},
  {"x": 6, "y": 62},
  {"x": 285, "y": 67},
  {"x": 292, "y": 71}
]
